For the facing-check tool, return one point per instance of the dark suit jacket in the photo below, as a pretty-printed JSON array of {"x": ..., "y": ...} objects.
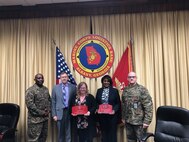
[
  {"x": 114, "y": 100},
  {"x": 57, "y": 97}
]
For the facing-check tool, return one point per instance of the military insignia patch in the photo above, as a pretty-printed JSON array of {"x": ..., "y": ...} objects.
[{"x": 92, "y": 56}]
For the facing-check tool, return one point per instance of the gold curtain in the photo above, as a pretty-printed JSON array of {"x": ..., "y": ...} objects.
[{"x": 160, "y": 55}]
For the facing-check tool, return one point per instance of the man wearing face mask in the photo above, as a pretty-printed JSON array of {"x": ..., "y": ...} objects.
[
  {"x": 137, "y": 109},
  {"x": 38, "y": 102}
]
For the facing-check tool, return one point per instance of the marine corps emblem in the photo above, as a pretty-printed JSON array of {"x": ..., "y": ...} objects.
[{"x": 92, "y": 56}]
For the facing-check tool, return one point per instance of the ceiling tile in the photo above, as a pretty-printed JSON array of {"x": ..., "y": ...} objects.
[
  {"x": 11, "y": 2},
  {"x": 63, "y": 1},
  {"x": 88, "y": 0},
  {"x": 34, "y": 2}
]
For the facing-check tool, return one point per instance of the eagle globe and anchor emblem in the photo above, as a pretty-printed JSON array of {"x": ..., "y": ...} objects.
[{"x": 92, "y": 56}]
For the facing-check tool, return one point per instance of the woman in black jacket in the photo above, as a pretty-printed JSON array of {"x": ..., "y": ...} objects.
[
  {"x": 86, "y": 124},
  {"x": 108, "y": 121}
]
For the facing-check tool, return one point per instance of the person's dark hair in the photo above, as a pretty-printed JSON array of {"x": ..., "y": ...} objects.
[
  {"x": 63, "y": 73},
  {"x": 38, "y": 75},
  {"x": 109, "y": 79}
]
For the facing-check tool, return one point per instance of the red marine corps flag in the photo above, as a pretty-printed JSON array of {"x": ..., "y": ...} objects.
[{"x": 124, "y": 67}]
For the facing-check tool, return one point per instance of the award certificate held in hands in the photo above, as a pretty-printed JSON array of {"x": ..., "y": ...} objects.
[
  {"x": 105, "y": 109},
  {"x": 79, "y": 110}
]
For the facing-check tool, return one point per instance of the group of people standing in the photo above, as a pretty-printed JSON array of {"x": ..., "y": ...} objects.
[{"x": 135, "y": 110}]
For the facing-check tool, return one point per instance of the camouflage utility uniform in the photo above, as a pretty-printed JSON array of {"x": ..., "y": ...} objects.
[
  {"x": 38, "y": 102},
  {"x": 137, "y": 109}
]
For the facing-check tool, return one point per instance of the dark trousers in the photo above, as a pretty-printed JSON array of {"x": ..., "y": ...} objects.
[
  {"x": 108, "y": 126},
  {"x": 84, "y": 135}
]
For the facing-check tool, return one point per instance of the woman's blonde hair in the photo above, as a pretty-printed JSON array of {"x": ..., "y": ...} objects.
[{"x": 79, "y": 86}]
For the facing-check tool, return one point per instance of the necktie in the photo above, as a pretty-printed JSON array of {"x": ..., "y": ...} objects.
[{"x": 64, "y": 95}]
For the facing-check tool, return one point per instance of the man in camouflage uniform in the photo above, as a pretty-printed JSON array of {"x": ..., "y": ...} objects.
[
  {"x": 137, "y": 109},
  {"x": 38, "y": 102}
]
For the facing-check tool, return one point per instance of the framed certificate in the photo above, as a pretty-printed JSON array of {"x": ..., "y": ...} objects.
[
  {"x": 105, "y": 108},
  {"x": 79, "y": 110}
]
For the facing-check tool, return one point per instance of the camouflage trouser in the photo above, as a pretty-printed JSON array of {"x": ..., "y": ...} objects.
[
  {"x": 37, "y": 132},
  {"x": 134, "y": 132}
]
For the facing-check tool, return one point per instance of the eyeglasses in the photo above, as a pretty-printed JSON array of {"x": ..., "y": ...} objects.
[{"x": 131, "y": 76}]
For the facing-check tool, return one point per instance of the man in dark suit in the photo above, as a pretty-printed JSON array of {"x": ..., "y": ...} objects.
[{"x": 61, "y": 96}]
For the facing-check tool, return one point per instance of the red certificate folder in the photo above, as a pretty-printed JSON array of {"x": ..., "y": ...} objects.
[
  {"x": 105, "y": 108},
  {"x": 79, "y": 110}
]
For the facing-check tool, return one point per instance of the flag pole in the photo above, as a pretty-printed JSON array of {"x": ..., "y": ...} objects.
[
  {"x": 54, "y": 43},
  {"x": 91, "y": 26},
  {"x": 131, "y": 44}
]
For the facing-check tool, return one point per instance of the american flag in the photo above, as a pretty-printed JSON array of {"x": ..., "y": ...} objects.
[{"x": 61, "y": 66}]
